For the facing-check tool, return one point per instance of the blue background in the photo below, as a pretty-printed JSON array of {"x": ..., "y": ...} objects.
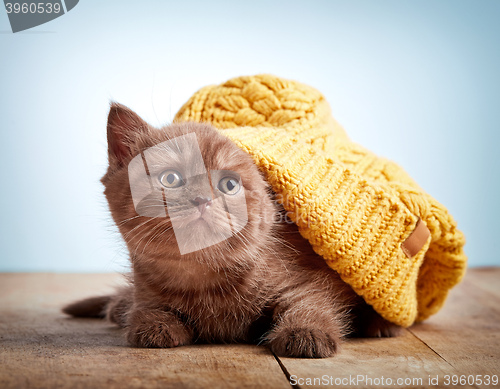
[{"x": 415, "y": 81}]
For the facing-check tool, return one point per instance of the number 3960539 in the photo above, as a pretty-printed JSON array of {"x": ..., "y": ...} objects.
[{"x": 33, "y": 8}]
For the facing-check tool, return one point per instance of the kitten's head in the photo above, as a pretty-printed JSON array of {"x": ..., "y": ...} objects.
[{"x": 185, "y": 192}]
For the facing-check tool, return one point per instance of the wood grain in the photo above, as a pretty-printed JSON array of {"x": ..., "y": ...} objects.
[
  {"x": 41, "y": 348},
  {"x": 374, "y": 361},
  {"x": 462, "y": 339},
  {"x": 486, "y": 278},
  {"x": 466, "y": 332}
]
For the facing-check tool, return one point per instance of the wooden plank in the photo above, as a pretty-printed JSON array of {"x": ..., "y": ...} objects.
[
  {"x": 462, "y": 339},
  {"x": 466, "y": 332},
  {"x": 41, "y": 348},
  {"x": 486, "y": 278},
  {"x": 368, "y": 363},
  {"x": 49, "y": 291}
]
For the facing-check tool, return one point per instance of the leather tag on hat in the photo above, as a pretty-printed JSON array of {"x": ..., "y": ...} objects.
[{"x": 417, "y": 239}]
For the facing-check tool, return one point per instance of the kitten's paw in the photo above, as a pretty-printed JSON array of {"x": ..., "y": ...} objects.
[
  {"x": 302, "y": 343},
  {"x": 117, "y": 311},
  {"x": 377, "y": 327},
  {"x": 157, "y": 330},
  {"x": 382, "y": 330}
]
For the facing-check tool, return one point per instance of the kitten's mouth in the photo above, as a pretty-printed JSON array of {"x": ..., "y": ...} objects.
[
  {"x": 202, "y": 212},
  {"x": 195, "y": 218},
  {"x": 199, "y": 222}
]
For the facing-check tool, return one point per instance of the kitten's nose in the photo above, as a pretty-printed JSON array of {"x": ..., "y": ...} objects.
[{"x": 202, "y": 202}]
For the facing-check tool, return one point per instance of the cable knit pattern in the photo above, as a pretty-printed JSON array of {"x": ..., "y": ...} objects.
[{"x": 356, "y": 209}]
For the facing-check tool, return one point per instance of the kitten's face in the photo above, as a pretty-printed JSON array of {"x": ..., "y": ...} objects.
[{"x": 184, "y": 192}]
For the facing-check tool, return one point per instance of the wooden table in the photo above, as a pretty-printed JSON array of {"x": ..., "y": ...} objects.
[{"x": 42, "y": 348}]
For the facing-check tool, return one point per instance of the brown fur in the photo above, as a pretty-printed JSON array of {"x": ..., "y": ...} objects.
[{"x": 264, "y": 284}]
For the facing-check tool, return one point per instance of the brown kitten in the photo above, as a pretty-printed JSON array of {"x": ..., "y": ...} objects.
[{"x": 263, "y": 283}]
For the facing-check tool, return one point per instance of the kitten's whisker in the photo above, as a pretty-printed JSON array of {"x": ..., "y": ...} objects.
[
  {"x": 146, "y": 235},
  {"x": 127, "y": 234},
  {"x": 155, "y": 236}
]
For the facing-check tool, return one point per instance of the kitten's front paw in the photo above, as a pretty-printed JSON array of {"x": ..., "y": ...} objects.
[
  {"x": 302, "y": 343},
  {"x": 374, "y": 326},
  {"x": 379, "y": 328},
  {"x": 158, "y": 330}
]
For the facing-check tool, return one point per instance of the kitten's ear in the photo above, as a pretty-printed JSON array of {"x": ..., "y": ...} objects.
[{"x": 123, "y": 127}]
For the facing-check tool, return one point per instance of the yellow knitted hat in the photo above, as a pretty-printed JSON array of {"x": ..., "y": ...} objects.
[{"x": 393, "y": 243}]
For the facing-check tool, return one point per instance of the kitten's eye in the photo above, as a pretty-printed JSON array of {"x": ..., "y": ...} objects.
[
  {"x": 229, "y": 185},
  {"x": 171, "y": 179}
]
